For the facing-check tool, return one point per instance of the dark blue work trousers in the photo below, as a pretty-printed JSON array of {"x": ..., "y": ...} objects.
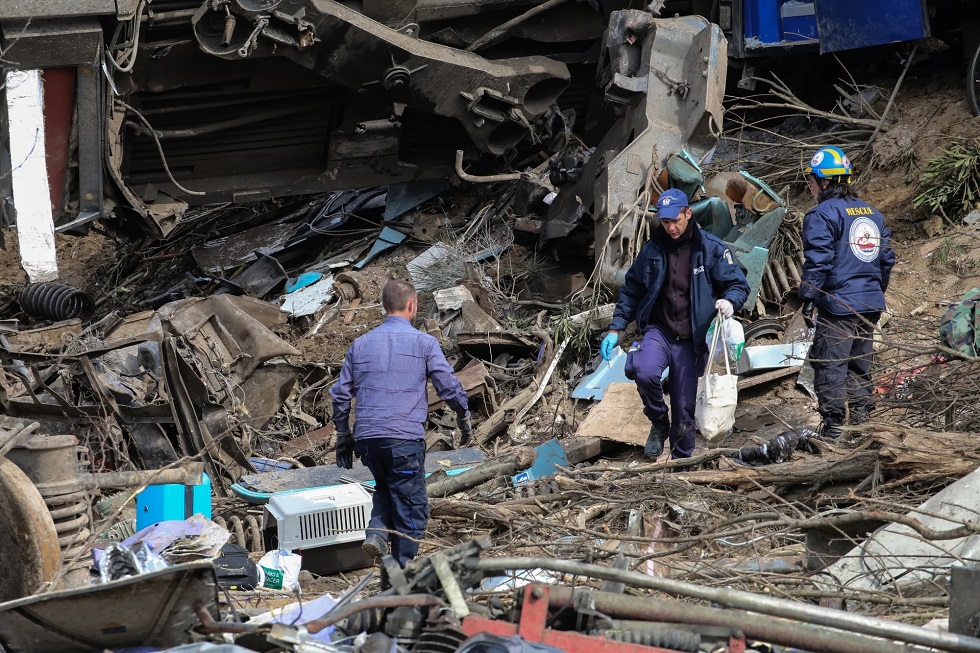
[
  {"x": 400, "y": 507},
  {"x": 656, "y": 352},
  {"x": 843, "y": 346}
]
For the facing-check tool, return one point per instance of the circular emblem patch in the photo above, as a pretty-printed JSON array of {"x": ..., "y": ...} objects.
[
  {"x": 817, "y": 158},
  {"x": 865, "y": 239}
]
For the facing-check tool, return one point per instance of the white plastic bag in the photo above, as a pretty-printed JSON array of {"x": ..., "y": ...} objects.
[
  {"x": 734, "y": 336},
  {"x": 714, "y": 412},
  {"x": 279, "y": 570}
]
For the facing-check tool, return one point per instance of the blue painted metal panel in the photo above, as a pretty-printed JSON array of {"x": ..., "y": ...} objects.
[
  {"x": 850, "y": 24},
  {"x": 547, "y": 458}
]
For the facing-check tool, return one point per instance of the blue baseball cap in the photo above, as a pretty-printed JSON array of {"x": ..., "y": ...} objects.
[{"x": 670, "y": 203}]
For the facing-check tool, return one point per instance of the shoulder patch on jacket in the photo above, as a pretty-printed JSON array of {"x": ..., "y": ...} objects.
[{"x": 728, "y": 257}]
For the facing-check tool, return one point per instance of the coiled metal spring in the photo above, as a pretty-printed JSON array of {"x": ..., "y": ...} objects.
[
  {"x": 659, "y": 636},
  {"x": 55, "y": 301}
]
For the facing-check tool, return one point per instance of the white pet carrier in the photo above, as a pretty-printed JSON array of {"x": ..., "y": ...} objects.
[{"x": 318, "y": 517}]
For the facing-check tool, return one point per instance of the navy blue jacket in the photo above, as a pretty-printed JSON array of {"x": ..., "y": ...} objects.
[
  {"x": 714, "y": 275},
  {"x": 849, "y": 257}
]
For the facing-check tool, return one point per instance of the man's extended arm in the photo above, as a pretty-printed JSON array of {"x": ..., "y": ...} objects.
[
  {"x": 818, "y": 248},
  {"x": 728, "y": 280},
  {"x": 443, "y": 380},
  {"x": 342, "y": 392}
]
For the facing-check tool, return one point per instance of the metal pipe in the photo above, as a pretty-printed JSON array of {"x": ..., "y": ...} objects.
[
  {"x": 431, "y": 10},
  {"x": 187, "y": 474},
  {"x": 740, "y": 600},
  {"x": 501, "y": 30},
  {"x": 484, "y": 179},
  {"x": 808, "y": 638},
  {"x": 13, "y": 439}
]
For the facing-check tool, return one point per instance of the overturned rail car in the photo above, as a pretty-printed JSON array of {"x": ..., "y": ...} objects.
[{"x": 172, "y": 104}]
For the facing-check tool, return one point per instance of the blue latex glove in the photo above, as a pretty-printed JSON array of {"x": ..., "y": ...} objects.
[{"x": 607, "y": 345}]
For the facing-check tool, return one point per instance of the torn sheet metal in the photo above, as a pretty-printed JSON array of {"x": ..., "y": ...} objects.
[
  {"x": 387, "y": 239},
  {"x": 309, "y": 299},
  {"x": 214, "y": 346},
  {"x": 154, "y": 609},
  {"x": 768, "y": 357},
  {"x": 402, "y": 198},
  {"x": 452, "y": 299},
  {"x": 594, "y": 385},
  {"x": 548, "y": 457},
  {"x": 29, "y": 172},
  {"x": 897, "y": 558},
  {"x": 229, "y": 252},
  {"x": 262, "y": 277},
  {"x": 257, "y": 488}
]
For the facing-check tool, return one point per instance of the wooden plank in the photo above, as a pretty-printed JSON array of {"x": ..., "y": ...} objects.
[
  {"x": 758, "y": 379},
  {"x": 579, "y": 450},
  {"x": 618, "y": 417},
  {"x": 473, "y": 379},
  {"x": 352, "y": 309}
]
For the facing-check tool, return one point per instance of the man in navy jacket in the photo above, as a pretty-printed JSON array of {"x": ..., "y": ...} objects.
[
  {"x": 848, "y": 262},
  {"x": 679, "y": 281}
]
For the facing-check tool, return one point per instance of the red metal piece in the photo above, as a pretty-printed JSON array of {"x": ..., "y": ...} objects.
[
  {"x": 59, "y": 102},
  {"x": 534, "y": 619}
]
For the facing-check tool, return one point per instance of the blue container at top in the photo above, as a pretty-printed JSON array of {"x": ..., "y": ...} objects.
[
  {"x": 762, "y": 20},
  {"x": 159, "y": 503},
  {"x": 799, "y": 21}
]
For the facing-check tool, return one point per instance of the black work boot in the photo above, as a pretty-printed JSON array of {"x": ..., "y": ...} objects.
[
  {"x": 655, "y": 441},
  {"x": 831, "y": 431},
  {"x": 375, "y": 546},
  {"x": 858, "y": 416}
]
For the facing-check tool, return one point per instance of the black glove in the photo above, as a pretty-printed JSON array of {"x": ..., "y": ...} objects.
[
  {"x": 808, "y": 314},
  {"x": 465, "y": 428},
  {"x": 345, "y": 450}
]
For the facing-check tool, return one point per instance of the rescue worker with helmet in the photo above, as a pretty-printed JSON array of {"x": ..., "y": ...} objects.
[
  {"x": 847, "y": 266},
  {"x": 681, "y": 279}
]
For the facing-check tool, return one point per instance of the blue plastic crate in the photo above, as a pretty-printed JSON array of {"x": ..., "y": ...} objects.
[{"x": 164, "y": 502}]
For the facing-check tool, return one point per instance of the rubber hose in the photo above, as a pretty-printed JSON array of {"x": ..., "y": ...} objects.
[{"x": 55, "y": 301}]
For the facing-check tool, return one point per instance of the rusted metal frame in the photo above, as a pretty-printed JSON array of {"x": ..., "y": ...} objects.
[
  {"x": 96, "y": 385},
  {"x": 533, "y": 628},
  {"x": 12, "y": 369},
  {"x": 66, "y": 405},
  {"x": 755, "y": 603},
  {"x": 189, "y": 427},
  {"x": 811, "y": 638}
]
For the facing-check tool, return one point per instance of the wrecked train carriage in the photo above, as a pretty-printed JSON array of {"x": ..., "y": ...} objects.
[{"x": 191, "y": 103}]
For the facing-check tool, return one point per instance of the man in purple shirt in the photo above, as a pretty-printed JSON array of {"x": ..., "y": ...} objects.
[{"x": 385, "y": 370}]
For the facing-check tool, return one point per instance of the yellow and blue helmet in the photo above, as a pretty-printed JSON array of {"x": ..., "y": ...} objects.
[{"x": 830, "y": 162}]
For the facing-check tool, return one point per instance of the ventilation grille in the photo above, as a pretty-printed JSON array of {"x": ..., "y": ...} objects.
[{"x": 331, "y": 522}]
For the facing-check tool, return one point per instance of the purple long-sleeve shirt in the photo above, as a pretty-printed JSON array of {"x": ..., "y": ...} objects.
[{"x": 386, "y": 370}]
